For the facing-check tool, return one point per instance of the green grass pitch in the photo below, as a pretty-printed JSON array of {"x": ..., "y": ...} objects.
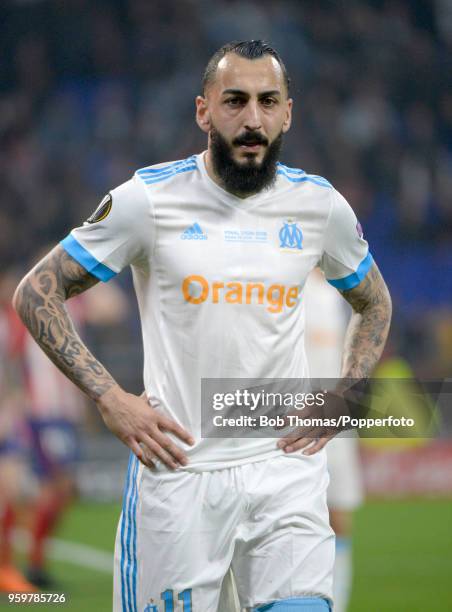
[{"x": 403, "y": 558}]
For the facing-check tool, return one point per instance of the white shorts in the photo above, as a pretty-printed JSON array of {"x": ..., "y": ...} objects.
[
  {"x": 181, "y": 531},
  {"x": 345, "y": 491}
]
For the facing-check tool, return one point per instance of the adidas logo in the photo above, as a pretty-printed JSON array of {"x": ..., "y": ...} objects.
[{"x": 194, "y": 232}]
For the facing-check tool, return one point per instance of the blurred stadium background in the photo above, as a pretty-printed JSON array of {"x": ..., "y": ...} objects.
[{"x": 89, "y": 91}]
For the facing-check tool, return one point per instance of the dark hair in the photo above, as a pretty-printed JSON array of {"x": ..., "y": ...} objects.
[{"x": 249, "y": 49}]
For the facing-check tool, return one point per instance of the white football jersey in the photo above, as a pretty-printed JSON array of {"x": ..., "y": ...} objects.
[
  {"x": 326, "y": 320},
  {"x": 327, "y": 316},
  {"x": 219, "y": 281}
]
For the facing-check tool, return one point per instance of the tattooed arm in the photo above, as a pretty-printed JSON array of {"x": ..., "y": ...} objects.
[
  {"x": 369, "y": 325},
  {"x": 39, "y": 301},
  {"x": 364, "y": 344}
]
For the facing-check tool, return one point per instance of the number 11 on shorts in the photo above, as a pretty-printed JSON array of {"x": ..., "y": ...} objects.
[{"x": 185, "y": 597}]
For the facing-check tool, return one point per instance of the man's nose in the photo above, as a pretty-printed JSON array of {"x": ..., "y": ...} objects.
[{"x": 252, "y": 115}]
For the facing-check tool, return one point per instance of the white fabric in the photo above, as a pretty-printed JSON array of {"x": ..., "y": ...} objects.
[
  {"x": 343, "y": 575},
  {"x": 171, "y": 222},
  {"x": 269, "y": 520},
  {"x": 346, "y": 490},
  {"x": 326, "y": 322},
  {"x": 229, "y": 598}
]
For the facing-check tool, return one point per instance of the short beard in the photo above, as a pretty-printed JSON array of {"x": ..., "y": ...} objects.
[{"x": 247, "y": 178}]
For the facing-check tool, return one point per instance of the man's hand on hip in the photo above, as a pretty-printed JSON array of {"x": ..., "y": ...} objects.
[{"x": 142, "y": 428}]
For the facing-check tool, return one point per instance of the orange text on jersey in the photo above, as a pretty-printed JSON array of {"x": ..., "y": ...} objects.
[{"x": 197, "y": 289}]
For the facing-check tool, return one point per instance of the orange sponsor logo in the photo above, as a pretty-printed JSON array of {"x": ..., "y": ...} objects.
[{"x": 197, "y": 289}]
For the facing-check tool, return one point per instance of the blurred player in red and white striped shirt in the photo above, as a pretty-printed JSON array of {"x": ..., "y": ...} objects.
[
  {"x": 55, "y": 413},
  {"x": 13, "y": 439}
]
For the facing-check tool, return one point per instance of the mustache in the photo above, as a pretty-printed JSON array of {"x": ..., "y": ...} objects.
[
  {"x": 250, "y": 138},
  {"x": 248, "y": 178}
]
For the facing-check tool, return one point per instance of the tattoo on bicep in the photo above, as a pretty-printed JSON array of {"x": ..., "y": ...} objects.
[
  {"x": 369, "y": 325},
  {"x": 40, "y": 303},
  {"x": 74, "y": 278}
]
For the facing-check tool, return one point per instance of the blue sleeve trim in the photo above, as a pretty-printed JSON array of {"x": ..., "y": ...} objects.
[
  {"x": 85, "y": 259},
  {"x": 352, "y": 280},
  {"x": 294, "y": 604}
]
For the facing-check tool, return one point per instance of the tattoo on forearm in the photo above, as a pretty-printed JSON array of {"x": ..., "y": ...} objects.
[
  {"x": 369, "y": 325},
  {"x": 39, "y": 300}
]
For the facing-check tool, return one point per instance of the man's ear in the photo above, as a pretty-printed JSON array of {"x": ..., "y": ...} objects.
[
  {"x": 288, "y": 119},
  {"x": 202, "y": 113}
]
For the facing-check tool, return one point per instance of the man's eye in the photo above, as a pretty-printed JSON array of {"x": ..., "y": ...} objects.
[
  {"x": 268, "y": 101},
  {"x": 233, "y": 101}
]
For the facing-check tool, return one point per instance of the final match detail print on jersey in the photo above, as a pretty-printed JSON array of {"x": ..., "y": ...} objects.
[{"x": 220, "y": 293}]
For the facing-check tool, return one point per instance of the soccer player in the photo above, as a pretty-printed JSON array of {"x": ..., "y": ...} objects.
[
  {"x": 220, "y": 245},
  {"x": 326, "y": 323}
]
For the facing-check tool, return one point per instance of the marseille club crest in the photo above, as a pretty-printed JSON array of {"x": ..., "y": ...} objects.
[{"x": 290, "y": 236}]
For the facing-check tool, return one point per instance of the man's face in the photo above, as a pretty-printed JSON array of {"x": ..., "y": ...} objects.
[{"x": 245, "y": 111}]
